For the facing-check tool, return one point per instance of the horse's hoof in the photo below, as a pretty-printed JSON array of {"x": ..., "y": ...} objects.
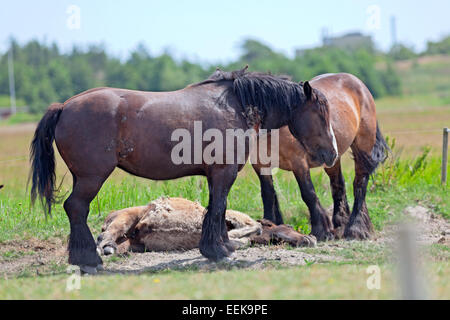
[
  {"x": 360, "y": 228},
  {"x": 322, "y": 235},
  {"x": 340, "y": 220},
  {"x": 357, "y": 233},
  {"x": 309, "y": 241},
  {"x": 108, "y": 250},
  {"x": 215, "y": 252},
  {"x": 227, "y": 259},
  {"x": 233, "y": 245},
  {"x": 84, "y": 257},
  {"x": 88, "y": 269}
]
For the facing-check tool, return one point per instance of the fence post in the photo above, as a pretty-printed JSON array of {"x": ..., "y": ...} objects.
[
  {"x": 444, "y": 156},
  {"x": 12, "y": 85}
]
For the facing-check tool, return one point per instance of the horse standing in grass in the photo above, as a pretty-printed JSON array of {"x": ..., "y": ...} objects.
[
  {"x": 104, "y": 128},
  {"x": 353, "y": 120}
]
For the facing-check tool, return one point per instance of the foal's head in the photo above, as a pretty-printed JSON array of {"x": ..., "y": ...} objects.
[{"x": 311, "y": 125}]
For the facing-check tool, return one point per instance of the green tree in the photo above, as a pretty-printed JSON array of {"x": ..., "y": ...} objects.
[
  {"x": 439, "y": 47},
  {"x": 45, "y": 75},
  {"x": 402, "y": 52}
]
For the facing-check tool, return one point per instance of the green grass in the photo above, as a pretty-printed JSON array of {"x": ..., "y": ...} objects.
[
  {"x": 427, "y": 75},
  {"x": 440, "y": 252},
  {"x": 416, "y": 118},
  {"x": 5, "y": 101},
  {"x": 329, "y": 281},
  {"x": 21, "y": 117},
  {"x": 14, "y": 254}
]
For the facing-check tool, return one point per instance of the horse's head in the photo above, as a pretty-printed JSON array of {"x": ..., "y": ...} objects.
[{"x": 311, "y": 125}]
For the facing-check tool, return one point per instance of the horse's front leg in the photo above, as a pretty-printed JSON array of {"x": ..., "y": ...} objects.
[
  {"x": 214, "y": 242},
  {"x": 321, "y": 226}
]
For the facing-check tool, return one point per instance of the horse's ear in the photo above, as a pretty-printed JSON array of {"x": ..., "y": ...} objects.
[
  {"x": 243, "y": 70},
  {"x": 308, "y": 90}
]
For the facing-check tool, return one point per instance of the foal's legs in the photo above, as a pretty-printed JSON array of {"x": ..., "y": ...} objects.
[
  {"x": 341, "y": 211},
  {"x": 360, "y": 226},
  {"x": 214, "y": 243},
  {"x": 321, "y": 226},
  {"x": 269, "y": 197},
  {"x": 82, "y": 247}
]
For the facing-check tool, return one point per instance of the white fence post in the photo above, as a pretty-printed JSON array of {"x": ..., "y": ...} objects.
[{"x": 12, "y": 85}]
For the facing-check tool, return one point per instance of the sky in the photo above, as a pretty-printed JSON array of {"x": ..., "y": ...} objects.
[{"x": 212, "y": 31}]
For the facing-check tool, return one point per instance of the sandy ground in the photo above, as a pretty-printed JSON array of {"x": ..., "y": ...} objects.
[{"x": 30, "y": 257}]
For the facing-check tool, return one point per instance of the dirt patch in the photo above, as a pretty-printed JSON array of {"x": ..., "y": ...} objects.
[
  {"x": 429, "y": 227},
  {"x": 31, "y": 257},
  {"x": 250, "y": 258}
]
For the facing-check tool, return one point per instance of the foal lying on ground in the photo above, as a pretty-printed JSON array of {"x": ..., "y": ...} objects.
[{"x": 168, "y": 224}]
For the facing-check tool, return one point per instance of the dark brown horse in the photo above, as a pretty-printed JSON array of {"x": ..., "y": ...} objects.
[
  {"x": 353, "y": 119},
  {"x": 104, "y": 128}
]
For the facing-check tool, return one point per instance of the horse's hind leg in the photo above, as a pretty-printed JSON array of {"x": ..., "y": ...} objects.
[
  {"x": 82, "y": 247},
  {"x": 214, "y": 242},
  {"x": 321, "y": 226},
  {"x": 360, "y": 226},
  {"x": 269, "y": 197},
  {"x": 341, "y": 210}
]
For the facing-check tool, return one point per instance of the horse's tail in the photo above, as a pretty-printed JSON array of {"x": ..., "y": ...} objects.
[
  {"x": 380, "y": 150},
  {"x": 42, "y": 157}
]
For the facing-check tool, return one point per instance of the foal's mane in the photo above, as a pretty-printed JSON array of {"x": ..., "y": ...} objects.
[{"x": 263, "y": 91}]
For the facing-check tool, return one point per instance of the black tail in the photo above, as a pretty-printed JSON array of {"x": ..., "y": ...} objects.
[
  {"x": 379, "y": 153},
  {"x": 380, "y": 149},
  {"x": 42, "y": 157}
]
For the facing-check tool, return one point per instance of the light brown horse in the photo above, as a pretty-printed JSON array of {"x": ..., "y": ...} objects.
[
  {"x": 353, "y": 118},
  {"x": 104, "y": 128}
]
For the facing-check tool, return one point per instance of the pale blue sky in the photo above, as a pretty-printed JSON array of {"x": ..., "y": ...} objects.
[{"x": 211, "y": 31}]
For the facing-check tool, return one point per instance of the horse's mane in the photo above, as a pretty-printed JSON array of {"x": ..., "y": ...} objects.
[{"x": 262, "y": 91}]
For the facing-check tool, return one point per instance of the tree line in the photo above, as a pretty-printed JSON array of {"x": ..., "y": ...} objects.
[
  {"x": 404, "y": 52},
  {"x": 44, "y": 74}
]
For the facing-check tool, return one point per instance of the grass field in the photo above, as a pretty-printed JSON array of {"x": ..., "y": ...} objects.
[
  {"x": 307, "y": 282},
  {"x": 410, "y": 177},
  {"x": 417, "y": 117}
]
